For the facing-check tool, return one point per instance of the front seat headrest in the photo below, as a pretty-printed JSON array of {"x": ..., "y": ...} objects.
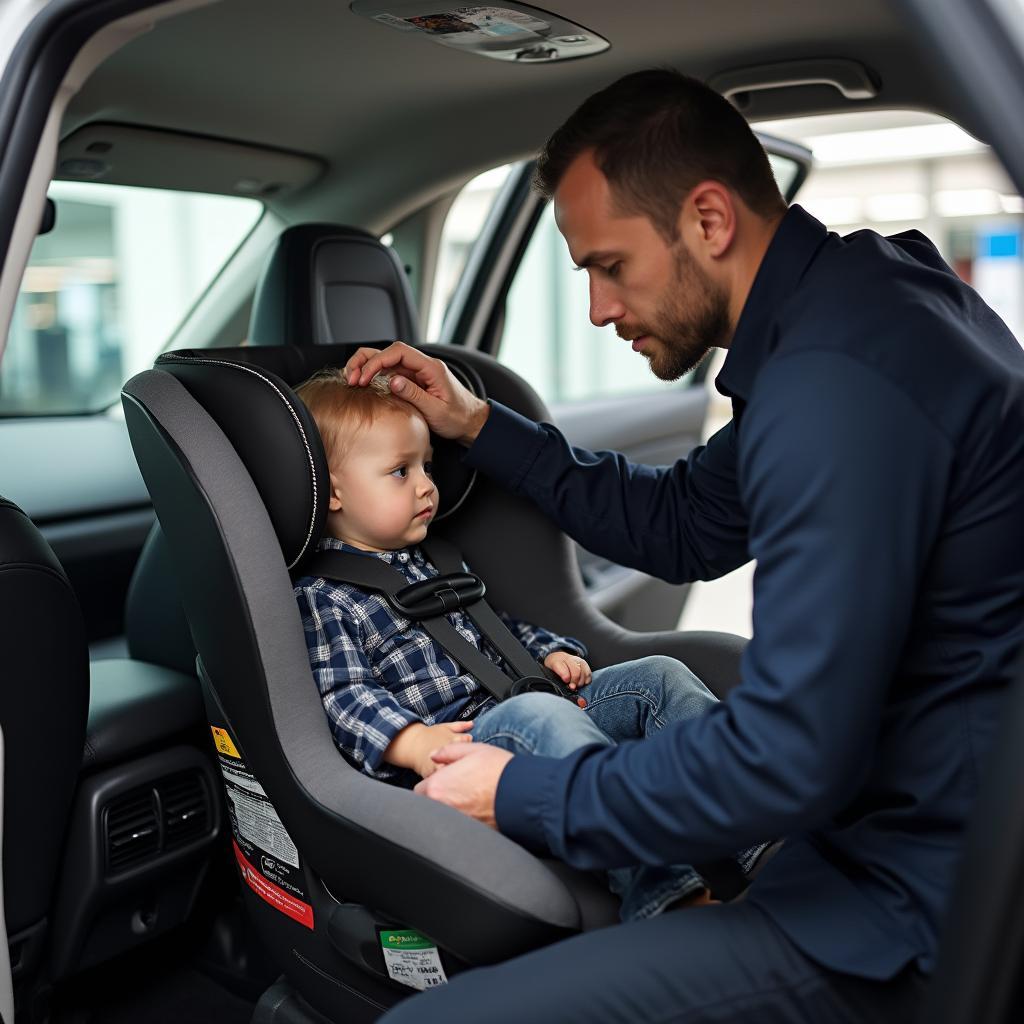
[{"x": 324, "y": 284}]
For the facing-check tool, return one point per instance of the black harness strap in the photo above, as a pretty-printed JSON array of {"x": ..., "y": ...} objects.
[{"x": 429, "y": 601}]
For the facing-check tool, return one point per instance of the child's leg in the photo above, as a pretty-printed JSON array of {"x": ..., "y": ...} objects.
[
  {"x": 538, "y": 723},
  {"x": 541, "y": 723},
  {"x": 639, "y": 698}
]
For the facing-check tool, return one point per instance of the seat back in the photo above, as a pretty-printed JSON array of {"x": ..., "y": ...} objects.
[
  {"x": 206, "y": 447},
  {"x": 44, "y": 704},
  {"x": 324, "y": 284}
]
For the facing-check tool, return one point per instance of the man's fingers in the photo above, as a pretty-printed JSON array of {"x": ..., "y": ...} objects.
[
  {"x": 357, "y": 361},
  {"x": 452, "y": 752},
  {"x": 427, "y": 404},
  {"x": 397, "y": 356},
  {"x": 460, "y": 726},
  {"x": 461, "y": 738}
]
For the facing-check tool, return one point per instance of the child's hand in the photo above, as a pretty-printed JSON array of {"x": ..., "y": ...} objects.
[
  {"x": 570, "y": 668},
  {"x": 412, "y": 747},
  {"x": 434, "y": 737}
]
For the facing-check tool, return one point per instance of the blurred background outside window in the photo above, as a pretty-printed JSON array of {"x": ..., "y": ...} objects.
[{"x": 105, "y": 289}]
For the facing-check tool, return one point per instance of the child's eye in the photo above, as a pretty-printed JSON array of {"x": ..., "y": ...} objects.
[
  {"x": 428, "y": 468},
  {"x": 401, "y": 471}
]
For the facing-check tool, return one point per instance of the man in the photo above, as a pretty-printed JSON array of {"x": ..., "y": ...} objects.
[{"x": 873, "y": 469}]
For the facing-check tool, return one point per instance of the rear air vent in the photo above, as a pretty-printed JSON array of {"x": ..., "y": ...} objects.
[
  {"x": 186, "y": 808},
  {"x": 132, "y": 830},
  {"x": 167, "y": 815}
]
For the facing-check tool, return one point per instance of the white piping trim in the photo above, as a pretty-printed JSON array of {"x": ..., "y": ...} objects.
[{"x": 298, "y": 423}]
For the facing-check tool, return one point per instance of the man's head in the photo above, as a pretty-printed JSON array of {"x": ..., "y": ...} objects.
[
  {"x": 667, "y": 200},
  {"x": 378, "y": 451}
]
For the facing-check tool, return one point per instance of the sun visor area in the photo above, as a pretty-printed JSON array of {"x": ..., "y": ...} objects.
[
  {"x": 121, "y": 154},
  {"x": 511, "y": 32}
]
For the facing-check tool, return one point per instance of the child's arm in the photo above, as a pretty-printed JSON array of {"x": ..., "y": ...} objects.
[
  {"x": 364, "y": 717},
  {"x": 412, "y": 747}
]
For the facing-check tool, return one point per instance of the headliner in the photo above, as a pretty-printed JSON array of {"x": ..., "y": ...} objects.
[{"x": 399, "y": 119}]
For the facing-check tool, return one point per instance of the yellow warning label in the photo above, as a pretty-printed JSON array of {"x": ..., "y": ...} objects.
[{"x": 222, "y": 741}]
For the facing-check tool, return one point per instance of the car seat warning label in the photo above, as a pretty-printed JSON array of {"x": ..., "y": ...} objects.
[
  {"x": 412, "y": 959},
  {"x": 266, "y": 855}
]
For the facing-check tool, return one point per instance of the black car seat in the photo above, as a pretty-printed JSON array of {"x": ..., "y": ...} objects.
[{"x": 44, "y": 705}]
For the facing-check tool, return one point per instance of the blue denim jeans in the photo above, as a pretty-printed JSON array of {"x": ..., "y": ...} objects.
[{"x": 624, "y": 702}]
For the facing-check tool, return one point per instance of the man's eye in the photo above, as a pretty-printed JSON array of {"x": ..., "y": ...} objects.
[
  {"x": 401, "y": 471},
  {"x": 428, "y": 468},
  {"x": 613, "y": 270}
]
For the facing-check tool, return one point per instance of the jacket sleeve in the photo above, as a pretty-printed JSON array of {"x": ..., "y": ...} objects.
[
  {"x": 364, "y": 717},
  {"x": 680, "y": 523},
  {"x": 845, "y": 478}
]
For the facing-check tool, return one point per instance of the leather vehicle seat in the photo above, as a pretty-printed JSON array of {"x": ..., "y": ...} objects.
[{"x": 44, "y": 704}]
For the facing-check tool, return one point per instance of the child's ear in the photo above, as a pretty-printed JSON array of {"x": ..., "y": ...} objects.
[{"x": 334, "y": 504}]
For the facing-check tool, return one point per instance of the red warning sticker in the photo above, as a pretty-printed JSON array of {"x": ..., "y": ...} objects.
[{"x": 272, "y": 894}]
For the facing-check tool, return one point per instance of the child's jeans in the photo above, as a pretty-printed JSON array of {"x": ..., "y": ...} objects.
[{"x": 624, "y": 702}]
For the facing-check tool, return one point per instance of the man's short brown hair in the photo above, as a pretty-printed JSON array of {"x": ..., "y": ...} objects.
[
  {"x": 655, "y": 135},
  {"x": 341, "y": 410}
]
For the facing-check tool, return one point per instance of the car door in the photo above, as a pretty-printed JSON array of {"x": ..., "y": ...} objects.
[{"x": 520, "y": 301}]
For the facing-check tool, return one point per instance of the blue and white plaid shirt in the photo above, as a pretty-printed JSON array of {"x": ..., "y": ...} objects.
[{"x": 378, "y": 672}]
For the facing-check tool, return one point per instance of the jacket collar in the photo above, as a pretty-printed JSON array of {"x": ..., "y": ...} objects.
[{"x": 795, "y": 244}]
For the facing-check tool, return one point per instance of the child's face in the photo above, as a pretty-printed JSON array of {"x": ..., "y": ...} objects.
[{"x": 382, "y": 494}]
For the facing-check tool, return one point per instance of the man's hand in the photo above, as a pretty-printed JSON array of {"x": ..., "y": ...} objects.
[
  {"x": 427, "y": 383},
  {"x": 570, "y": 668},
  {"x": 414, "y": 745},
  {"x": 467, "y": 779}
]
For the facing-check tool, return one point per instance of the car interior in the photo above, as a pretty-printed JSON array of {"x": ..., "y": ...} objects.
[{"x": 181, "y": 839}]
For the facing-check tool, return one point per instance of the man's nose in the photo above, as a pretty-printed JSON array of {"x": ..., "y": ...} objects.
[{"x": 605, "y": 305}]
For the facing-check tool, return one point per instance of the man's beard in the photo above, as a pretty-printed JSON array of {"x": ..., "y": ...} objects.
[{"x": 693, "y": 319}]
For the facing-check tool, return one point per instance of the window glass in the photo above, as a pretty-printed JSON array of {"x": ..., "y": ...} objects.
[
  {"x": 548, "y": 338},
  {"x": 105, "y": 289},
  {"x": 461, "y": 231}
]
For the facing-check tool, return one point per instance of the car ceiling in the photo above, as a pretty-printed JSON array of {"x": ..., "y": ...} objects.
[{"x": 397, "y": 119}]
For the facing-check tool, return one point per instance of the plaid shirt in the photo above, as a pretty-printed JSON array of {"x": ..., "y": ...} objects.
[{"x": 378, "y": 672}]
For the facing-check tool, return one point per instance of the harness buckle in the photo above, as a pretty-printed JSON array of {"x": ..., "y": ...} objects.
[{"x": 439, "y": 595}]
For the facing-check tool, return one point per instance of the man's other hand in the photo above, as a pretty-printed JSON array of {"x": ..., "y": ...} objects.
[
  {"x": 426, "y": 383},
  {"x": 467, "y": 779}
]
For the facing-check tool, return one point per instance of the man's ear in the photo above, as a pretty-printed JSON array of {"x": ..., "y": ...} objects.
[
  {"x": 708, "y": 218},
  {"x": 334, "y": 503}
]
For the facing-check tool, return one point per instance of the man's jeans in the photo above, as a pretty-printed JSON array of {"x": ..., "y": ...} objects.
[{"x": 624, "y": 702}]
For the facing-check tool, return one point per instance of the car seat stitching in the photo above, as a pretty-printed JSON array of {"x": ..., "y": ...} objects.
[{"x": 295, "y": 418}]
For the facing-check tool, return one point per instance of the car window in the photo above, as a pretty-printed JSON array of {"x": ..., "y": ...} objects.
[
  {"x": 548, "y": 338},
  {"x": 105, "y": 289},
  {"x": 463, "y": 226}
]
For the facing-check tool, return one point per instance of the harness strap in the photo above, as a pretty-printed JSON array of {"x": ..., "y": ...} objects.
[{"x": 376, "y": 576}]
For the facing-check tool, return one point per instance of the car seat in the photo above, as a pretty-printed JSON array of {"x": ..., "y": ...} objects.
[
  {"x": 43, "y": 709},
  {"x": 237, "y": 476}
]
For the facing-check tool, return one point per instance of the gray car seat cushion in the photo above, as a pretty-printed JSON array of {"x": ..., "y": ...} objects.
[{"x": 480, "y": 856}]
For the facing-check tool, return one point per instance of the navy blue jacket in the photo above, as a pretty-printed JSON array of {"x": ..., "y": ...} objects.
[{"x": 874, "y": 467}]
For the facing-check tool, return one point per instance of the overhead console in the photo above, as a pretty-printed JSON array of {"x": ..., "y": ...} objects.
[{"x": 510, "y": 32}]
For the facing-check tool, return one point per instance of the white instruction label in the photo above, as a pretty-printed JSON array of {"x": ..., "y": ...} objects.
[{"x": 412, "y": 959}]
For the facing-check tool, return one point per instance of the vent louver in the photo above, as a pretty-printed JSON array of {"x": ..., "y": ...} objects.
[
  {"x": 186, "y": 809},
  {"x": 132, "y": 829}
]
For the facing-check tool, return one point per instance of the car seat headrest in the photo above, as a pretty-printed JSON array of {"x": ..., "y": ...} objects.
[
  {"x": 324, "y": 284},
  {"x": 248, "y": 393}
]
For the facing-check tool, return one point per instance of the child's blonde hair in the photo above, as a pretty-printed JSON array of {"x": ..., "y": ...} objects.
[{"x": 341, "y": 410}]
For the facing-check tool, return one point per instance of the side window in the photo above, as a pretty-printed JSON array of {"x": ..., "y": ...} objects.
[
  {"x": 105, "y": 289},
  {"x": 462, "y": 229},
  {"x": 548, "y": 338}
]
